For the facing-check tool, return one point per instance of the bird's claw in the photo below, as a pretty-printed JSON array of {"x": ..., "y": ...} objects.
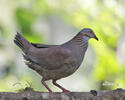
[{"x": 67, "y": 91}]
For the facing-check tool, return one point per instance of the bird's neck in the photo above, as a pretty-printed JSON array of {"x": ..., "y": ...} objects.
[
  {"x": 78, "y": 45},
  {"x": 79, "y": 42}
]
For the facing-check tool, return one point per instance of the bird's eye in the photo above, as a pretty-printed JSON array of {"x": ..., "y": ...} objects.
[{"x": 90, "y": 31}]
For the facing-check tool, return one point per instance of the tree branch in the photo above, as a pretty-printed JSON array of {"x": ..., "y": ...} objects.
[{"x": 118, "y": 94}]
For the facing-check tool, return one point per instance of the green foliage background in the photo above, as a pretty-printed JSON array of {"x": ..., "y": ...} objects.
[{"x": 105, "y": 17}]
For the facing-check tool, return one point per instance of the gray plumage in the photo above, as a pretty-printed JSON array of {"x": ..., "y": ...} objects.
[{"x": 54, "y": 62}]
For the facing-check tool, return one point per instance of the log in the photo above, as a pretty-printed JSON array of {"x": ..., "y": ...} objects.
[{"x": 118, "y": 94}]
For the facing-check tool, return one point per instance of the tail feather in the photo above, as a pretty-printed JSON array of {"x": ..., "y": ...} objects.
[{"x": 22, "y": 42}]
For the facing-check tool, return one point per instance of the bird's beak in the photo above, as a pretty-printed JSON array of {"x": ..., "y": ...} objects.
[{"x": 96, "y": 38}]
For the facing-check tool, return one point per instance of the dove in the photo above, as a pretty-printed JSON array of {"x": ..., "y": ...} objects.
[{"x": 54, "y": 62}]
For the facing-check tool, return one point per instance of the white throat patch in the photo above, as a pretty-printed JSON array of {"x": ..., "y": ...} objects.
[{"x": 86, "y": 38}]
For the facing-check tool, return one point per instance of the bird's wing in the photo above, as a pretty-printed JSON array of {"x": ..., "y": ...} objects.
[
  {"x": 57, "y": 57},
  {"x": 53, "y": 58},
  {"x": 38, "y": 45}
]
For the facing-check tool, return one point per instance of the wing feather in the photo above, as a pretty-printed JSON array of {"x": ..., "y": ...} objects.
[
  {"x": 52, "y": 58},
  {"x": 38, "y": 45}
]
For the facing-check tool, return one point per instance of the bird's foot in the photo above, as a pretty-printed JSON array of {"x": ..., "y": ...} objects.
[
  {"x": 50, "y": 91},
  {"x": 59, "y": 86},
  {"x": 67, "y": 91}
]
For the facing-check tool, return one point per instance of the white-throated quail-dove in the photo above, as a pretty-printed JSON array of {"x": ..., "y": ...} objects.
[{"x": 54, "y": 62}]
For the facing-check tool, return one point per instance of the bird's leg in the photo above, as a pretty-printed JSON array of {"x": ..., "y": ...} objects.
[
  {"x": 64, "y": 90},
  {"x": 43, "y": 82}
]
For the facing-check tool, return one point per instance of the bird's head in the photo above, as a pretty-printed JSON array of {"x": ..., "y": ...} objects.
[{"x": 88, "y": 33}]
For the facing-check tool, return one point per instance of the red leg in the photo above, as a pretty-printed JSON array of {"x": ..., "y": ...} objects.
[
  {"x": 43, "y": 82},
  {"x": 64, "y": 90}
]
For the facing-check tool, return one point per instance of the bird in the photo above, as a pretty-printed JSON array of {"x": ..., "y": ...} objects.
[{"x": 54, "y": 62}]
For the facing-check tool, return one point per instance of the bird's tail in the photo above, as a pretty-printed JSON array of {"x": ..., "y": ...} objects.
[{"x": 22, "y": 42}]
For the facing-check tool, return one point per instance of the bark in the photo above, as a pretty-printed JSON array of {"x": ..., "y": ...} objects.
[{"x": 118, "y": 94}]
